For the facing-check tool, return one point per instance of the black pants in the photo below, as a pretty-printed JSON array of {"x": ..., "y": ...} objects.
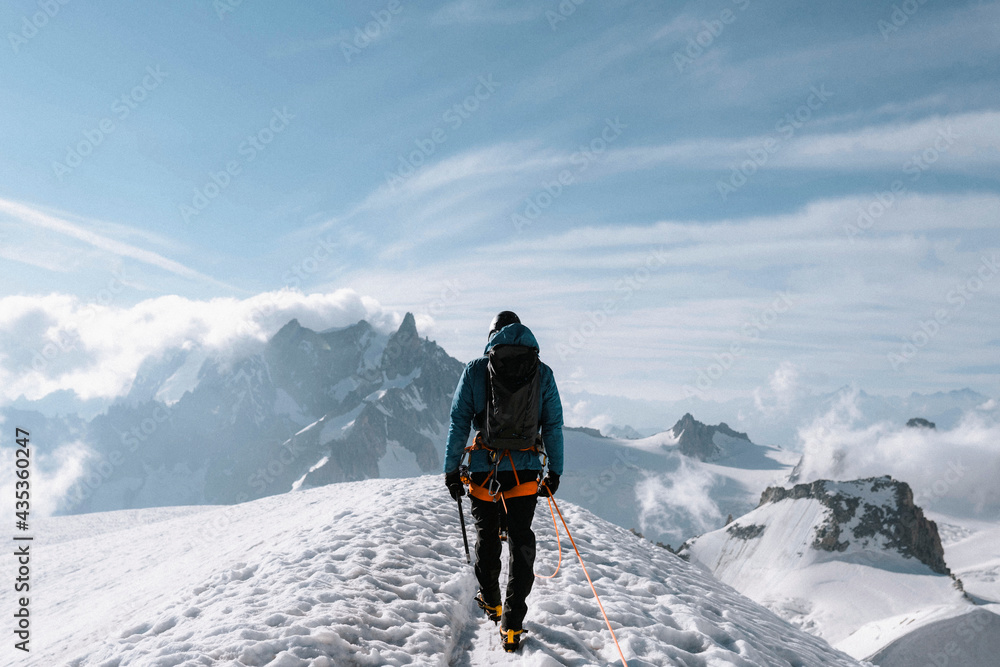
[{"x": 520, "y": 544}]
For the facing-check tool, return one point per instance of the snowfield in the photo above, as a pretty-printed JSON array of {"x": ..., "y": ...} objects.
[
  {"x": 866, "y": 599},
  {"x": 370, "y": 573}
]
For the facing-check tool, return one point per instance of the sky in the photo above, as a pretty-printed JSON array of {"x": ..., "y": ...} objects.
[{"x": 680, "y": 199}]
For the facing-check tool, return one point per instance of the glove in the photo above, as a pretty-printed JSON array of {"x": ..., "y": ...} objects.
[
  {"x": 547, "y": 487},
  {"x": 454, "y": 483}
]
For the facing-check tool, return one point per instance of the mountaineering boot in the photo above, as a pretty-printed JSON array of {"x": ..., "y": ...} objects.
[
  {"x": 493, "y": 612},
  {"x": 511, "y": 639}
]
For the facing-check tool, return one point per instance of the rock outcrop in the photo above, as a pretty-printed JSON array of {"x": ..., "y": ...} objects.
[
  {"x": 697, "y": 440},
  {"x": 877, "y": 509}
]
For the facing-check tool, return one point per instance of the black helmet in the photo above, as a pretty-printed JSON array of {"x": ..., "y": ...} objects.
[{"x": 502, "y": 319}]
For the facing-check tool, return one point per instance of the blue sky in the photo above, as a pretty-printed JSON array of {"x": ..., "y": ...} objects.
[{"x": 671, "y": 195}]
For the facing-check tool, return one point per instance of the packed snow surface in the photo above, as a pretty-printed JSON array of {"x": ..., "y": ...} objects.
[{"x": 371, "y": 573}]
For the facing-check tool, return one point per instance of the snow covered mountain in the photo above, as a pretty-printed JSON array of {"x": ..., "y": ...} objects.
[
  {"x": 311, "y": 408},
  {"x": 372, "y": 573},
  {"x": 856, "y": 563},
  {"x": 675, "y": 484},
  {"x": 777, "y": 419}
]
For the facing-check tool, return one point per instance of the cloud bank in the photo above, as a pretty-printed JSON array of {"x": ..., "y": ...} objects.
[
  {"x": 954, "y": 471},
  {"x": 58, "y": 342}
]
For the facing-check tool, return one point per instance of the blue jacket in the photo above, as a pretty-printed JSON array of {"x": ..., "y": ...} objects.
[{"x": 470, "y": 399}]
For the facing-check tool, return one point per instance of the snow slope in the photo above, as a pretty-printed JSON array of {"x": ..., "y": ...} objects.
[
  {"x": 370, "y": 573},
  {"x": 771, "y": 555},
  {"x": 973, "y": 552},
  {"x": 970, "y": 638}
]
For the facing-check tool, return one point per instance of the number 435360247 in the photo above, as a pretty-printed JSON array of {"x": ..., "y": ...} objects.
[{"x": 23, "y": 486}]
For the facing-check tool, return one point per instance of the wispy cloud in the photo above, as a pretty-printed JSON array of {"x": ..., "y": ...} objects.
[
  {"x": 973, "y": 144},
  {"x": 43, "y": 220},
  {"x": 710, "y": 279},
  {"x": 333, "y": 41},
  {"x": 485, "y": 11}
]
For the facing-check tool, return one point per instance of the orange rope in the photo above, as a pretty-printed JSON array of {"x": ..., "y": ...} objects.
[{"x": 573, "y": 542}]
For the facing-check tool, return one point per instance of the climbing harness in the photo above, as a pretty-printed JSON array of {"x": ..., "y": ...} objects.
[{"x": 489, "y": 490}]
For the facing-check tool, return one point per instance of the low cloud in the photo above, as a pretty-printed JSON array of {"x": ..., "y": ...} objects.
[
  {"x": 581, "y": 413},
  {"x": 670, "y": 504},
  {"x": 953, "y": 471},
  {"x": 783, "y": 388},
  {"x": 58, "y": 342},
  {"x": 52, "y": 475}
]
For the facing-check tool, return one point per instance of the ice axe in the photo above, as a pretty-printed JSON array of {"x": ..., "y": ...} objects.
[
  {"x": 464, "y": 473},
  {"x": 465, "y": 537}
]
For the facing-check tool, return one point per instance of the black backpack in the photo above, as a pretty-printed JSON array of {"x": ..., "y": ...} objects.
[{"x": 513, "y": 392}]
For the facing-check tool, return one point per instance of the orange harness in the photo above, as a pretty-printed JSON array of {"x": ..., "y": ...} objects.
[{"x": 482, "y": 492}]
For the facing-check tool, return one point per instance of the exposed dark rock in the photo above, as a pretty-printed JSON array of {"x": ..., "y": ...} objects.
[
  {"x": 745, "y": 532},
  {"x": 697, "y": 440},
  {"x": 900, "y": 525},
  {"x": 659, "y": 544},
  {"x": 920, "y": 422}
]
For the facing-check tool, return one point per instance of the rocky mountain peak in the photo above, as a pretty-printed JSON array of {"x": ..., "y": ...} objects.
[
  {"x": 402, "y": 352},
  {"x": 877, "y": 511},
  {"x": 408, "y": 326},
  {"x": 697, "y": 440},
  {"x": 309, "y": 408},
  {"x": 287, "y": 332}
]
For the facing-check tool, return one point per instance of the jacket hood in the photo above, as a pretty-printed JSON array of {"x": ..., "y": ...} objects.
[{"x": 512, "y": 334}]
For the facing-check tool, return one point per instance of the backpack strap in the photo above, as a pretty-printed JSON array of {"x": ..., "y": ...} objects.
[{"x": 479, "y": 442}]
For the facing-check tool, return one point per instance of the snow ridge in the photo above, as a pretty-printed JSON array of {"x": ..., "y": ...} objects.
[{"x": 373, "y": 573}]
